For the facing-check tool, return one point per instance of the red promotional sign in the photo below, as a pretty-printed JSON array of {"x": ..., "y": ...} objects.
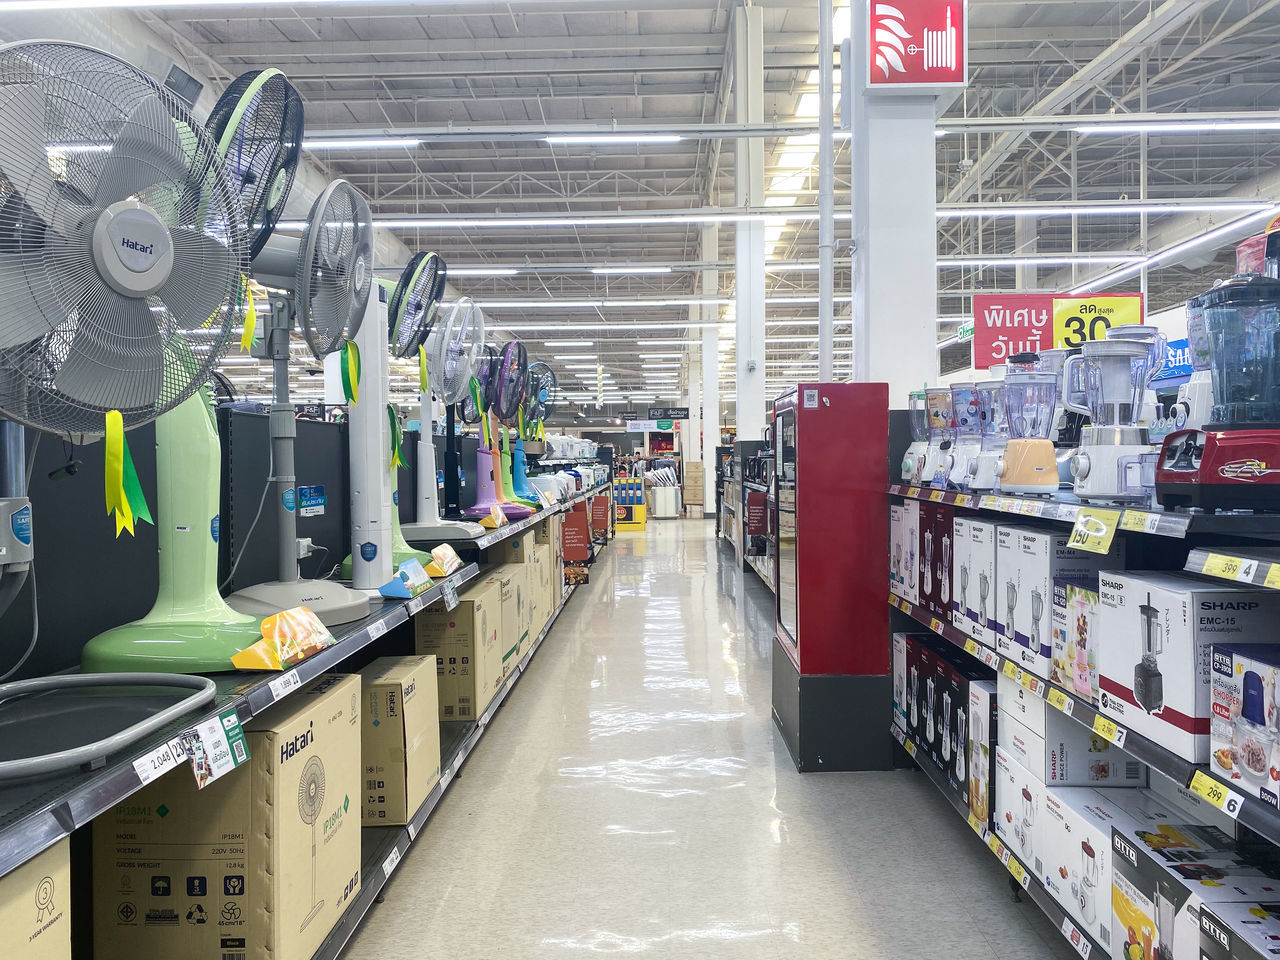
[
  {"x": 917, "y": 43},
  {"x": 600, "y": 512},
  {"x": 1009, "y": 323},
  {"x": 1251, "y": 254}
]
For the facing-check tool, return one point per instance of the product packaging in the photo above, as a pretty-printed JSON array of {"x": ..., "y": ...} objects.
[
  {"x": 288, "y": 638},
  {"x": 983, "y": 721},
  {"x": 909, "y": 577},
  {"x": 1069, "y": 754},
  {"x": 980, "y": 597},
  {"x": 35, "y": 907},
  {"x": 896, "y": 553},
  {"x": 961, "y": 580},
  {"x": 1156, "y": 632},
  {"x": 1019, "y": 799},
  {"x": 1075, "y": 637},
  {"x": 512, "y": 633},
  {"x": 400, "y": 738},
  {"x": 1244, "y": 744},
  {"x": 1240, "y": 931},
  {"x": 465, "y": 642},
  {"x": 898, "y": 642}
]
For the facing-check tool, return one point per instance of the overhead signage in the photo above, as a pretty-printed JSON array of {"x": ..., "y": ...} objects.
[
  {"x": 917, "y": 43},
  {"x": 1005, "y": 324},
  {"x": 965, "y": 330},
  {"x": 629, "y": 415},
  {"x": 668, "y": 413},
  {"x": 650, "y": 426},
  {"x": 1177, "y": 360},
  {"x": 1079, "y": 319}
]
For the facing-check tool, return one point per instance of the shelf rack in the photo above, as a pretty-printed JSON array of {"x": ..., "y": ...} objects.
[
  {"x": 34, "y": 815},
  {"x": 1083, "y": 944}
]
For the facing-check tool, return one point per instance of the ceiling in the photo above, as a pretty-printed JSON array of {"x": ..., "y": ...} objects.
[{"x": 443, "y": 70}]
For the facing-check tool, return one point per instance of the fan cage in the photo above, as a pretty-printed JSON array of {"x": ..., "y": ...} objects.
[
  {"x": 335, "y": 269},
  {"x": 411, "y": 314}
]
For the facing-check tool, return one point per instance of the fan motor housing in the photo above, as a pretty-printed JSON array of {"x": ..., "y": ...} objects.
[{"x": 132, "y": 248}]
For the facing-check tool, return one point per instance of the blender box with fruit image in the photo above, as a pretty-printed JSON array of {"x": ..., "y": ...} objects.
[
  {"x": 982, "y": 740},
  {"x": 900, "y": 676},
  {"x": 1156, "y": 634},
  {"x": 1240, "y": 931},
  {"x": 1019, "y": 796},
  {"x": 1069, "y": 754},
  {"x": 964, "y": 673},
  {"x": 1075, "y": 637},
  {"x": 1243, "y": 744}
]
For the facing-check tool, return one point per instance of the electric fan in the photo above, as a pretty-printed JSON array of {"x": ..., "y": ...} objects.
[
  {"x": 257, "y": 123},
  {"x": 510, "y": 390},
  {"x": 541, "y": 393},
  {"x": 121, "y": 252},
  {"x": 310, "y": 809},
  {"x": 451, "y": 350},
  {"x": 328, "y": 272},
  {"x": 479, "y": 408}
]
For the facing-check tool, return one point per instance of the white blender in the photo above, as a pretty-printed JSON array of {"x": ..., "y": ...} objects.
[
  {"x": 1086, "y": 889},
  {"x": 938, "y": 411},
  {"x": 993, "y": 435},
  {"x": 1029, "y": 464},
  {"x": 966, "y": 441},
  {"x": 1115, "y": 460},
  {"x": 1065, "y": 430},
  {"x": 913, "y": 459},
  {"x": 1195, "y": 397}
]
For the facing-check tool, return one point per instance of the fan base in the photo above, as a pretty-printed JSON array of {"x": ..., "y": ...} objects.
[
  {"x": 334, "y": 603},
  {"x": 398, "y": 556},
  {"x": 442, "y": 531},
  {"x": 169, "y": 646}
]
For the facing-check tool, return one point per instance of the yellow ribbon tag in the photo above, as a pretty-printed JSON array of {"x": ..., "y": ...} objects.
[
  {"x": 124, "y": 496},
  {"x": 250, "y": 316},
  {"x": 350, "y": 361},
  {"x": 423, "y": 383}
]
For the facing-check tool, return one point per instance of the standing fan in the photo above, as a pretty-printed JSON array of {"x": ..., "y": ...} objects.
[
  {"x": 328, "y": 272},
  {"x": 507, "y": 405},
  {"x": 121, "y": 249},
  {"x": 541, "y": 395},
  {"x": 451, "y": 349},
  {"x": 310, "y": 809},
  {"x": 257, "y": 123},
  {"x": 474, "y": 409}
]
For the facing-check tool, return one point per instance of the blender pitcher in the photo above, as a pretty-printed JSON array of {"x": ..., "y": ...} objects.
[
  {"x": 993, "y": 435},
  {"x": 966, "y": 412},
  {"x": 913, "y": 459},
  {"x": 940, "y": 417},
  {"x": 1029, "y": 464},
  {"x": 1148, "y": 683},
  {"x": 1086, "y": 891}
]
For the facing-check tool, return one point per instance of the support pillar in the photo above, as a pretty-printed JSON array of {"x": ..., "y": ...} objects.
[
  {"x": 1026, "y": 275},
  {"x": 710, "y": 253},
  {"x": 748, "y": 261}
]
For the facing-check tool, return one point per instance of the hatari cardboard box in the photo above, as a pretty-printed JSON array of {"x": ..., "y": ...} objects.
[
  {"x": 35, "y": 907},
  {"x": 465, "y": 642},
  {"x": 509, "y": 581},
  {"x": 517, "y": 549},
  {"x": 400, "y": 739},
  {"x": 541, "y": 590},
  {"x": 260, "y": 863}
]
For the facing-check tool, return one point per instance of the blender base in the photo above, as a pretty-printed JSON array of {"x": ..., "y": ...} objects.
[
  {"x": 1218, "y": 469},
  {"x": 1029, "y": 466},
  {"x": 913, "y": 461},
  {"x": 1115, "y": 473},
  {"x": 964, "y": 452},
  {"x": 1148, "y": 687}
]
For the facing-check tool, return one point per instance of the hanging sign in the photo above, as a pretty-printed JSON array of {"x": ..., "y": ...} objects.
[
  {"x": 1005, "y": 324},
  {"x": 668, "y": 413},
  {"x": 1078, "y": 319},
  {"x": 917, "y": 43},
  {"x": 628, "y": 415},
  {"x": 641, "y": 426},
  {"x": 1177, "y": 360}
]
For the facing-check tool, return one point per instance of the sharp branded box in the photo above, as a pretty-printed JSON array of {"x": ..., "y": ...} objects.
[
  {"x": 35, "y": 907},
  {"x": 983, "y": 721},
  {"x": 909, "y": 582},
  {"x": 1156, "y": 636},
  {"x": 962, "y": 576},
  {"x": 897, "y": 555},
  {"x": 1244, "y": 746},
  {"x": 1069, "y": 754},
  {"x": 1075, "y": 637},
  {"x": 1019, "y": 797},
  {"x": 465, "y": 642},
  {"x": 980, "y": 596},
  {"x": 915, "y": 690},
  {"x": 1029, "y": 560},
  {"x": 1021, "y": 704},
  {"x": 930, "y": 695},
  {"x": 400, "y": 743},
  {"x": 259, "y": 864},
  {"x": 899, "y": 641}
]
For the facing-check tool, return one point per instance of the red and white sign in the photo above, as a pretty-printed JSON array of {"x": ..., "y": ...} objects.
[
  {"x": 1009, "y": 323},
  {"x": 917, "y": 43}
]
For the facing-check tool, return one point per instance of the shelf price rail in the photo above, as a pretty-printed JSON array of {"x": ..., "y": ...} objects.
[{"x": 1083, "y": 944}]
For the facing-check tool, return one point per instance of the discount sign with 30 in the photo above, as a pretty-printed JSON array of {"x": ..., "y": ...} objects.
[{"x": 1077, "y": 319}]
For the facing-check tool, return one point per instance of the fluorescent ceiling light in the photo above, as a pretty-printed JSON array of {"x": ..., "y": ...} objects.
[
  {"x": 1047, "y": 260},
  {"x": 575, "y": 356},
  {"x": 665, "y": 343},
  {"x": 21, "y": 6},
  {"x": 585, "y": 220},
  {"x": 580, "y": 366},
  {"x": 1175, "y": 126},
  {"x": 483, "y": 271},
  {"x": 360, "y": 143},
  {"x": 637, "y": 269},
  {"x": 1099, "y": 210},
  {"x": 568, "y": 343},
  {"x": 622, "y": 137},
  {"x": 657, "y": 356}
]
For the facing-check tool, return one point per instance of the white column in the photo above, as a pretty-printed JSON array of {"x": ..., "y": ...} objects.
[
  {"x": 1026, "y": 276},
  {"x": 710, "y": 253},
  {"x": 895, "y": 278},
  {"x": 748, "y": 100},
  {"x": 826, "y": 194},
  {"x": 690, "y": 442}
]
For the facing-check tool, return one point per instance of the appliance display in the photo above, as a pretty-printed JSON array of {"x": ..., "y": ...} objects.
[
  {"x": 982, "y": 741},
  {"x": 1233, "y": 462},
  {"x": 1067, "y": 753},
  {"x": 1075, "y": 637},
  {"x": 1243, "y": 729},
  {"x": 1029, "y": 465},
  {"x": 966, "y": 443},
  {"x": 962, "y": 578},
  {"x": 941, "y": 432},
  {"x": 1192, "y": 409},
  {"x": 993, "y": 435},
  {"x": 913, "y": 460},
  {"x": 1018, "y": 798}
]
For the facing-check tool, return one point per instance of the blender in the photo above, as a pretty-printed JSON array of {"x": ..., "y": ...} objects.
[
  {"x": 927, "y": 569},
  {"x": 1022, "y": 829},
  {"x": 1029, "y": 464},
  {"x": 938, "y": 410},
  {"x": 944, "y": 573},
  {"x": 1233, "y": 462},
  {"x": 1037, "y": 611},
  {"x": 961, "y": 746},
  {"x": 977, "y": 767},
  {"x": 913, "y": 459},
  {"x": 984, "y": 587},
  {"x": 993, "y": 435},
  {"x": 1114, "y": 461},
  {"x": 1148, "y": 683},
  {"x": 962, "y": 604},
  {"x": 1065, "y": 431},
  {"x": 1195, "y": 397},
  {"x": 930, "y": 713},
  {"x": 1251, "y": 741},
  {"x": 1086, "y": 891},
  {"x": 1011, "y": 601},
  {"x": 966, "y": 443},
  {"x": 944, "y": 732},
  {"x": 913, "y": 697}
]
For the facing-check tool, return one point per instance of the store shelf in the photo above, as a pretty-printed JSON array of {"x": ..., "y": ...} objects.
[
  {"x": 1259, "y": 567},
  {"x": 757, "y": 487},
  {"x": 1253, "y": 812},
  {"x": 382, "y": 848},
  {"x": 764, "y": 568},
  {"x": 508, "y": 530},
  {"x": 1083, "y": 944}
]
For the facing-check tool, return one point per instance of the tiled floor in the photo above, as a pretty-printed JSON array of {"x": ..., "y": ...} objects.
[{"x": 632, "y": 797}]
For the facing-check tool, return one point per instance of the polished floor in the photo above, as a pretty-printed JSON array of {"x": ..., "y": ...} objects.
[{"x": 632, "y": 797}]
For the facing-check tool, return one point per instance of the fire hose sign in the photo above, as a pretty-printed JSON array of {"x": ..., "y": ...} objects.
[{"x": 917, "y": 43}]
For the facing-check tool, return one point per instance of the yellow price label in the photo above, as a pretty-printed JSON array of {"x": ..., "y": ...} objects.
[
  {"x": 935, "y": 495},
  {"x": 1029, "y": 681},
  {"x": 1018, "y": 872},
  {"x": 1109, "y": 729},
  {"x": 935, "y": 625},
  {"x": 987, "y": 502},
  {"x": 1080, "y": 319},
  {"x": 1060, "y": 700},
  {"x": 971, "y": 647},
  {"x": 1010, "y": 670},
  {"x": 1008, "y": 505},
  {"x": 1139, "y": 521},
  {"x": 993, "y": 843},
  {"x": 1094, "y": 529},
  {"x": 1273, "y": 577},
  {"x": 1031, "y": 508},
  {"x": 1220, "y": 565},
  {"x": 975, "y": 824},
  {"x": 910, "y": 747},
  {"x": 1222, "y": 797}
]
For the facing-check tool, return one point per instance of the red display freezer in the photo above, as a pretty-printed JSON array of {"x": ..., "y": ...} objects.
[{"x": 831, "y": 687}]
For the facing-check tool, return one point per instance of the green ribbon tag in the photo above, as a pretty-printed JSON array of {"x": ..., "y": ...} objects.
[
  {"x": 423, "y": 383},
  {"x": 396, "y": 461},
  {"x": 351, "y": 372}
]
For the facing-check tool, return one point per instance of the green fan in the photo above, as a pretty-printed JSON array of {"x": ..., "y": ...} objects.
[{"x": 257, "y": 124}]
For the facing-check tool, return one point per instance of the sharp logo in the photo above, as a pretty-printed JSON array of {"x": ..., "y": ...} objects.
[
  {"x": 292, "y": 748},
  {"x": 1229, "y": 605},
  {"x": 1246, "y": 471},
  {"x": 1124, "y": 849},
  {"x": 147, "y": 248}
]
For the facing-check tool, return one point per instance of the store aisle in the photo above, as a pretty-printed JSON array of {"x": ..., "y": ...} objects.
[{"x": 632, "y": 797}]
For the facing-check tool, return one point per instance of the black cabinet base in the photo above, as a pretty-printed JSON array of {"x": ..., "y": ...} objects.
[{"x": 830, "y": 722}]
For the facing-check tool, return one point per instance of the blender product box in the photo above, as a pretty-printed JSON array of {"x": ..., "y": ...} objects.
[
  {"x": 1242, "y": 727},
  {"x": 979, "y": 598},
  {"x": 1069, "y": 754},
  {"x": 400, "y": 737},
  {"x": 1075, "y": 637},
  {"x": 928, "y": 695},
  {"x": 915, "y": 690},
  {"x": 983, "y": 721},
  {"x": 909, "y": 582},
  {"x": 1020, "y": 703},
  {"x": 260, "y": 863},
  {"x": 35, "y": 907},
  {"x": 1240, "y": 931},
  {"x": 465, "y": 641},
  {"x": 936, "y": 553},
  {"x": 961, "y": 580},
  {"x": 1019, "y": 799},
  {"x": 1029, "y": 560},
  {"x": 896, "y": 558},
  {"x": 899, "y": 644},
  {"x": 954, "y": 739},
  {"x": 1156, "y": 633},
  {"x": 929, "y": 554}
]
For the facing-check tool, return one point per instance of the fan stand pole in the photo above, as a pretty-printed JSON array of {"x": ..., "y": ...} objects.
[
  {"x": 452, "y": 481},
  {"x": 13, "y": 503},
  {"x": 284, "y": 431}
]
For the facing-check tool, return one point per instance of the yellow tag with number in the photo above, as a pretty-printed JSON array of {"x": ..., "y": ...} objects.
[
  {"x": 1029, "y": 681},
  {"x": 1106, "y": 728},
  {"x": 935, "y": 495},
  {"x": 910, "y": 747},
  {"x": 1273, "y": 577},
  {"x": 1139, "y": 521},
  {"x": 935, "y": 625},
  {"x": 993, "y": 843},
  {"x": 1222, "y": 797},
  {"x": 971, "y": 647},
  {"x": 1079, "y": 319},
  {"x": 963, "y": 499},
  {"x": 1057, "y": 698},
  {"x": 1010, "y": 670},
  {"x": 1220, "y": 565},
  {"x": 975, "y": 824},
  {"x": 1015, "y": 868},
  {"x": 1094, "y": 529}
]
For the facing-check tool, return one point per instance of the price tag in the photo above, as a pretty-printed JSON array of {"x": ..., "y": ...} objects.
[
  {"x": 1139, "y": 521},
  {"x": 1031, "y": 508},
  {"x": 1224, "y": 798},
  {"x": 1060, "y": 700},
  {"x": 282, "y": 684},
  {"x": 993, "y": 843},
  {"x": 975, "y": 824},
  {"x": 1273, "y": 577},
  {"x": 1076, "y": 938},
  {"x": 1019, "y": 874},
  {"x": 1094, "y": 529},
  {"x": 1008, "y": 505},
  {"x": 991, "y": 658},
  {"x": 159, "y": 760},
  {"x": 413, "y": 832},
  {"x": 1005, "y": 855},
  {"x": 1230, "y": 568},
  {"x": 935, "y": 495},
  {"x": 1030, "y": 681},
  {"x": 416, "y": 604},
  {"x": 963, "y": 500},
  {"x": 913, "y": 492},
  {"x": 909, "y": 746},
  {"x": 1011, "y": 670},
  {"x": 935, "y": 625},
  {"x": 449, "y": 591},
  {"x": 987, "y": 502},
  {"x": 215, "y": 747},
  {"x": 1108, "y": 729},
  {"x": 971, "y": 647},
  {"x": 377, "y": 629},
  {"x": 392, "y": 861}
]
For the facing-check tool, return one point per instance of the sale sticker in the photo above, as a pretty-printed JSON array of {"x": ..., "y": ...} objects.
[
  {"x": 1079, "y": 319},
  {"x": 1094, "y": 529},
  {"x": 1008, "y": 324}
]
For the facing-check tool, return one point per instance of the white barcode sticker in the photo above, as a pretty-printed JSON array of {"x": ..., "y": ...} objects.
[
  {"x": 389, "y": 864},
  {"x": 416, "y": 604},
  {"x": 283, "y": 684},
  {"x": 413, "y": 833},
  {"x": 1076, "y": 938},
  {"x": 158, "y": 761},
  {"x": 377, "y": 629},
  {"x": 450, "y": 592}
]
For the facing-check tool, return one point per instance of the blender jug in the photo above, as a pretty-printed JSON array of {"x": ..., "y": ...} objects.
[
  {"x": 1195, "y": 397},
  {"x": 913, "y": 459},
  {"x": 944, "y": 732},
  {"x": 993, "y": 435},
  {"x": 940, "y": 417},
  {"x": 960, "y": 748},
  {"x": 1148, "y": 683},
  {"x": 966, "y": 434},
  {"x": 1086, "y": 892},
  {"x": 1029, "y": 464}
]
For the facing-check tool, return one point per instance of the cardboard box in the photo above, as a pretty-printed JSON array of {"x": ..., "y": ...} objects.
[
  {"x": 35, "y": 907},
  {"x": 517, "y": 549},
  {"x": 961, "y": 582},
  {"x": 1020, "y": 703},
  {"x": 1069, "y": 754},
  {"x": 465, "y": 642},
  {"x": 508, "y": 582},
  {"x": 896, "y": 553},
  {"x": 1018, "y": 810},
  {"x": 915, "y": 688},
  {"x": 1159, "y": 686},
  {"x": 979, "y": 598},
  {"x": 909, "y": 584},
  {"x": 898, "y": 643},
  {"x": 1075, "y": 637},
  {"x": 936, "y": 552},
  {"x": 1029, "y": 560},
  {"x": 1240, "y": 931},
  {"x": 983, "y": 719},
  {"x": 542, "y": 587},
  {"x": 1243, "y": 743},
  {"x": 400, "y": 738},
  {"x": 261, "y": 863},
  {"x": 930, "y": 696}
]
